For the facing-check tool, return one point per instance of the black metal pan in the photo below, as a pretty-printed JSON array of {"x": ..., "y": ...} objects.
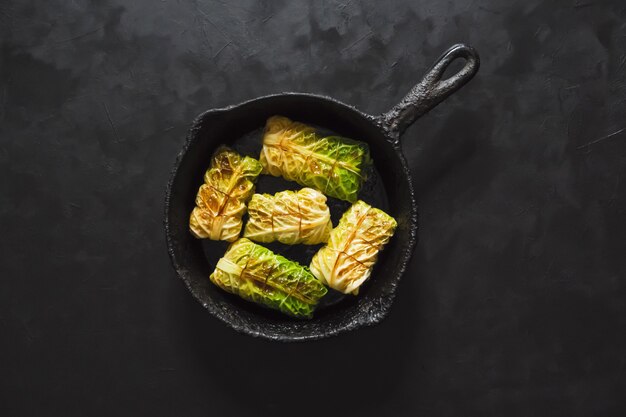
[{"x": 389, "y": 188}]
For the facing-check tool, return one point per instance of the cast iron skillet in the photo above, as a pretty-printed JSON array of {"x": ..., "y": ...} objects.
[{"x": 389, "y": 188}]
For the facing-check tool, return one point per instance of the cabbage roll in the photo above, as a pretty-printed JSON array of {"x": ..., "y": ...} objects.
[
  {"x": 220, "y": 203},
  {"x": 334, "y": 165},
  {"x": 347, "y": 260},
  {"x": 256, "y": 274},
  {"x": 289, "y": 217}
]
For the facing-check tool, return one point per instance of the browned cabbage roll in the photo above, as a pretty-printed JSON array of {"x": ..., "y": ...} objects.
[
  {"x": 347, "y": 260},
  {"x": 221, "y": 200},
  {"x": 257, "y": 274},
  {"x": 334, "y": 165},
  {"x": 290, "y": 217}
]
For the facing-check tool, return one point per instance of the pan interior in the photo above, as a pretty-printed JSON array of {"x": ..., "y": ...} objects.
[
  {"x": 373, "y": 192},
  {"x": 241, "y": 127}
]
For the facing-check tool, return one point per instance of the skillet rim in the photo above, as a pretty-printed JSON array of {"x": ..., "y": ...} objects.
[{"x": 381, "y": 308}]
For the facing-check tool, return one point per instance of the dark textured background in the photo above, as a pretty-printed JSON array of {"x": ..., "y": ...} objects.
[{"x": 514, "y": 304}]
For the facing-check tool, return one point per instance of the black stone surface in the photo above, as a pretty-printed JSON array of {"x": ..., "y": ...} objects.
[{"x": 514, "y": 303}]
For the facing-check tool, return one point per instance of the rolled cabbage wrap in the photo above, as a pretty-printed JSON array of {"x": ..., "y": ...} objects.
[
  {"x": 347, "y": 260},
  {"x": 221, "y": 200},
  {"x": 334, "y": 165},
  {"x": 290, "y": 217},
  {"x": 256, "y": 274}
]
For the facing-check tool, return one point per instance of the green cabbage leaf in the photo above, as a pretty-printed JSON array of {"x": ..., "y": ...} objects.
[
  {"x": 334, "y": 165},
  {"x": 256, "y": 274}
]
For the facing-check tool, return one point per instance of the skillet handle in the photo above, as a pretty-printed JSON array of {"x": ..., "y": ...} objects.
[{"x": 432, "y": 90}]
